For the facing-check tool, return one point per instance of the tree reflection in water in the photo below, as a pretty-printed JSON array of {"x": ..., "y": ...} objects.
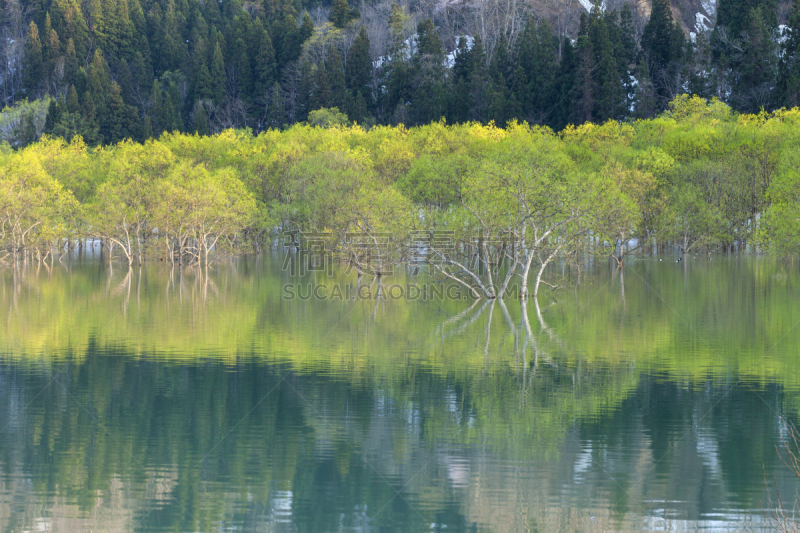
[{"x": 180, "y": 398}]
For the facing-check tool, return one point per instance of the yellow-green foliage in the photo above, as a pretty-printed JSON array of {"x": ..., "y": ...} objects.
[{"x": 699, "y": 175}]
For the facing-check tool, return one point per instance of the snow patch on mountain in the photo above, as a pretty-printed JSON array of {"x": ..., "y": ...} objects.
[
  {"x": 589, "y": 4},
  {"x": 702, "y": 22}
]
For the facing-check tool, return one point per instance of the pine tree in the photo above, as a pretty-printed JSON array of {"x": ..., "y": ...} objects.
[
  {"x": 657, "y": 36},
  {"x": 211, "y": 13},
  {"x": 305, "y": 90},
  {"x": 265, "y": 66},
  {"x": 244, "y": 70},
  {"x": 662, "y": 44},
  {"x": 33, "y": 71},
  {"x": 501, "y": 73},
  {"x": 203, "y": 88},
  {"x": 156, "y": 111},
  {"x": 546, "y": 58},
  {"x": 627, "y": 51},
  {"x": 162, "y": 110},
  {"x": 321, "y": 95},
  {"x": 520, "y": 102},
  {"x": 526, "y": 70},
  {"x": 139, "y": 23},
  {"x": 125, "y": 82},
  {"x": 73, "y": 102},
  {"x": 359, "y": 66},
  {"x": 788, "y": 85},
  {"x": 201, "y": 121},
  {"x": 428, "y": 41},
  {"x": 68, "y": 21},
  {"x": 462, "y": 63},
  {"x": 99, "y": 83},
  {"x": 306, "y": 29},
  {"x": 71, "y": 64},
  {"x": 564, "y": 90},
  {"x": 89, "y": 109},
  {"x": 276, "y": 113},
  {"x": 253, "y": 40},
  {"x": 51, "y": 47},
  {"x": 288, "y": 39},
  {"x": 339, "y": 96},
  {"x": 358, "y": 110},
  {"x": 54, "y": 111},
  {"x": 498, "y": 101},
  {"x": 278, "y": 9},
  {"x": 698, "y": 66},
  {"x": 141, "y": 72},
  {"x": 28, "y": 134},
  {"x": 147, "y": 129},
  {"x": 168, "y": 47},
  {"x": 757, "y": 67},
  {"x": 81, "y": 81},
  {"x": 120, "y": 121},
  {"x": 202, "y": 77},
  {"x": 582, "y": 98},
  {"x": 113, "y": 29},
  {"x": 429, "y": 100},
  {"x": 623, "y": 36},
  {"x": 501, "y": 64},
  {"x": 217, "y": 76},
  {"x": 478, "y": 83},
  {"x": 608, "y": 97},
  {"x": 538, "y": 57},
  {"x": 340, "y": 13},
  {"x": 645, "y": 103},
  {"x": 461, "y": 75},
  {"x": 96, "y": 23},
  {"x": 397, "y": 19},
  {"x": 172, "y": 103},
  {"x": 734, "y": 15},
  {"x": 218, "y": 40},
  {"x": 214, "y": 50},
  {"x": 397, "y": 75}
]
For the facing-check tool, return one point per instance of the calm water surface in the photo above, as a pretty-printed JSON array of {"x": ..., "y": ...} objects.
[{"x": 158, "y": 399}]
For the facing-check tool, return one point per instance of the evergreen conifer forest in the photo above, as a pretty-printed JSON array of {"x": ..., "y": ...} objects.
[{"x": 109, "y": 70}]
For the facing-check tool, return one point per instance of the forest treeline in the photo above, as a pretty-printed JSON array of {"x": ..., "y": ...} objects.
[
  {"x": 481, "y": 205},
  {"x": 108, "y": 70}
]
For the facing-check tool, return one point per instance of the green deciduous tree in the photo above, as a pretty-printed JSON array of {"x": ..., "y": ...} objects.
[{"x": 35, "y": 210}]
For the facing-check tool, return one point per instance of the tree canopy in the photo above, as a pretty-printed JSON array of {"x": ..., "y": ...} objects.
[{"x": 699, "y": 177}]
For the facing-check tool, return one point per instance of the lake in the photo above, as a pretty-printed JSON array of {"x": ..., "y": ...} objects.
[{"x": 247, "y": 397}]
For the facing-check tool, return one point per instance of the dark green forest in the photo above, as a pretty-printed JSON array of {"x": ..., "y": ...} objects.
[{"x": 113, "y": 69}]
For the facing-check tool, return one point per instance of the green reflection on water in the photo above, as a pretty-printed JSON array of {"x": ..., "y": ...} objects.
[{"x": 183, "y": 399}]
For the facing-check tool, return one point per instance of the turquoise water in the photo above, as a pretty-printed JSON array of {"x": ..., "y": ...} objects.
[{"x": 194, "y": 399}]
